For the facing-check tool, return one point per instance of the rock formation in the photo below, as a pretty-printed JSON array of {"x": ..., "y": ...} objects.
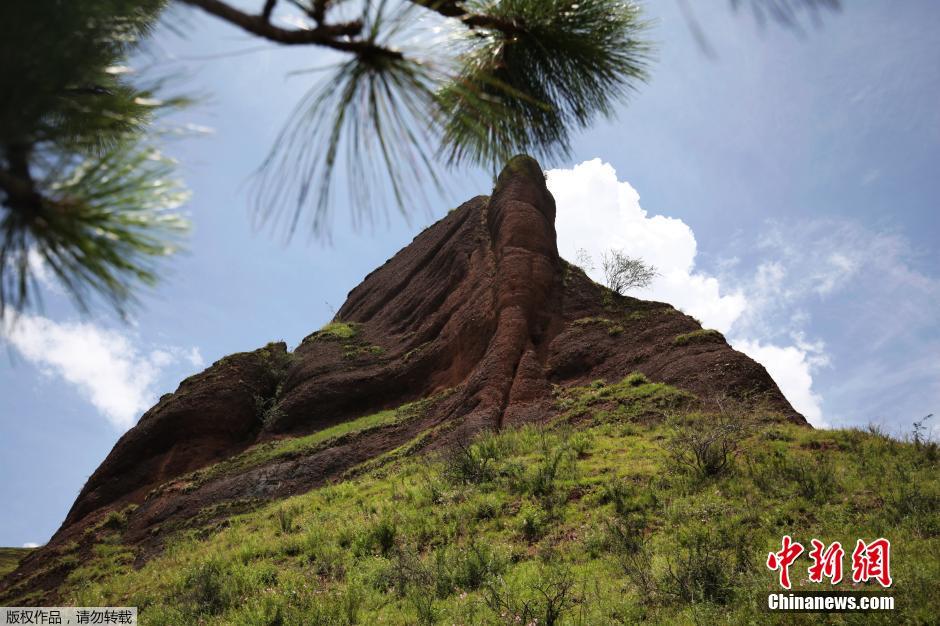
[{"x": 479, "y": 314}]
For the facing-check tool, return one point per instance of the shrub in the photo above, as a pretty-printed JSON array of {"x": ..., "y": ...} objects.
[
  {"x": 927, "y": 447},
  {"x": 473, "y": 463},
  {"x": 637, "y": 564},
  {"x": 540, "y": 482},
  {"x": 205, "y": 587},
  {"x": 814, "y": 480},
  {"x": 350, "y": 603},
  {"x": 382, "y": 536},
  {"x": 911, "y": 502},
  {"x": 706, "y": 445},
  {"x": 465, "y": 567},
  {"x": 626, "y": 497},
  {"x": 532, "y": 522},
  {"x": 625, "y": 533},
  {"x": 579, "y": 444},
  {"x": 623, "y": 273},
  {"x": 698, "y": 572},
  {"x": 268, "y": 411},
  {"x": 114, "y": 520},
  {"x": 487, "y": 509},
  {"x": 476, "y": 564},
  {"x": 545, "y": 600}
]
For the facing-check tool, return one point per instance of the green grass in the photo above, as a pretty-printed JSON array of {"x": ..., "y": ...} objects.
[
  {"x": 594, "y": 524},
  {"x": 10, "y": 558},
  {"x": 337, "y": 331},
  {"x": 353, "y": 351},
  {"x": 632, "y": 398},
  {"x": 704, "y": 335},
  {"x": 613, "y": 328},
  {"x": 282, "y": 449},
  {"x": 348, "y": 335}
]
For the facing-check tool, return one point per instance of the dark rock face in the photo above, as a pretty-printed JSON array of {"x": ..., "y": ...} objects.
[
  {"x": 479, "y": 303},
  {"x": 211, "y": 415}
]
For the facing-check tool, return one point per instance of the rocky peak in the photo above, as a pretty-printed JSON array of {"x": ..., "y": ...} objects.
[{"x": 478, "y": 320}]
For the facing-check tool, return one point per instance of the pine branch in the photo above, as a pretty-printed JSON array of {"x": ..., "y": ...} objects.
[
  {"x": 100, "y": 225},
  {"x": 327, "y": 35},
  {"x": 447, "y": 8},
  {"x": 451, "y": 8},
  {"x": 268, "y": 10},
  {"x": 16, "y": 181}
]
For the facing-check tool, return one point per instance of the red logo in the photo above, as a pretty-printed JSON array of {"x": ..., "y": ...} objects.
[
  {"x": 826, "y": 563},
  {"x": 783, "y": 559},
  {"x": 872, "y": 561}
]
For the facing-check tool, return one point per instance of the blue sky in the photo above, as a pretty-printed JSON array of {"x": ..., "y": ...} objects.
[{"x": 786, "y": 187}]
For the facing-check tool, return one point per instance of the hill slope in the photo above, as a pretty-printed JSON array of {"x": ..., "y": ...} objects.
[
  {"x": 478, "y": 324},
  {"x": 10, "y": 558},
  {"x": 596, "y": 518}
]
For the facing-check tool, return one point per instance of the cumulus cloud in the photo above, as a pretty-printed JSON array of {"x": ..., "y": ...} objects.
[
  {"x": 117, "y": 376},
  {"x": 791, "y": 367},
  {"x": 596, "y": 213}
]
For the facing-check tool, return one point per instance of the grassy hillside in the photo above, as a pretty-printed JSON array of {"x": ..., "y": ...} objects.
[
  {"x": 606, "y": 516},
  {"x": 9, "y": 557}
]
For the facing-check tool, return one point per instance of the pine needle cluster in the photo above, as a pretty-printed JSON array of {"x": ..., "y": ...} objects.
[{"x": 83, "y": 196}]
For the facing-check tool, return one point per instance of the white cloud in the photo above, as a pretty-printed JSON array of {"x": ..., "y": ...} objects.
[
  {"x": 194, "y": 356},
  {"x": 791, "y": 367},
  {"x": 30, "y": 544},
  {"x": 837, "y": 269},
  {"x": 105, "y": 366},
  {"x": 596, "y": 212}
]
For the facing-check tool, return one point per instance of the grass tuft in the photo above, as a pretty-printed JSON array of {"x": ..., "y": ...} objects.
[{"x": 704, "y": 335}]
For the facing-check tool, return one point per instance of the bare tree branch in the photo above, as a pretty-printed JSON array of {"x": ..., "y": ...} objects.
[{"x": 623, "y": 273}]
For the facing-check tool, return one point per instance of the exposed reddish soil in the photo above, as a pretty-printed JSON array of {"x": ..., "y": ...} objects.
[{"x": 479, "y": 303}]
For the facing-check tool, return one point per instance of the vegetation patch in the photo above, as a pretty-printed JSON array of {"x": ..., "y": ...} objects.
[
  {"x": 336, "y": 331},
  {"x": 612, "y": 327},
  {"x": 349, "y": 336},
  {"x": 614, "y": 522},
  {"x": 414, "y": 352},
  {"x": 354, "y": 351},
  {"x": 630, "y": 399},
  {"x": 704, "y": 335},
  {"x": 10, "y": 558},
  {"x": 283, "y": 449}
]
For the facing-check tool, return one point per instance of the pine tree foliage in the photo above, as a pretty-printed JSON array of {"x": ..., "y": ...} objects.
[
  {"x": 429, "y": 83},
  {"x": 419, "y": 84},
  {"x": 485, "y": 80},
  {"x": 540, "y": 70},
  {"x": 83, "y": 197},
  {"x": 375, "y": 111},
  {"x": 787, "y": 12}
]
